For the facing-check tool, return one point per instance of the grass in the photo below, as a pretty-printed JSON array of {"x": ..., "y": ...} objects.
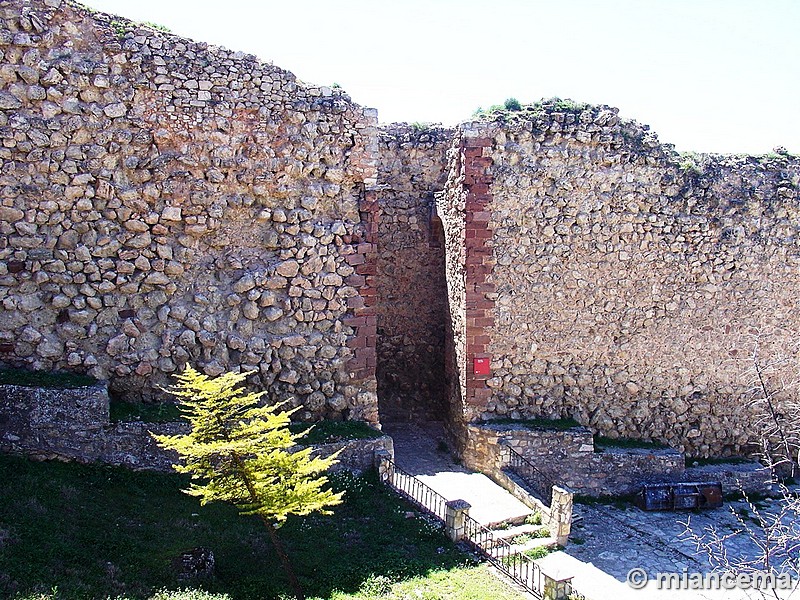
[
  {"x": 91, "y": 531},
  {"x": 46, "y": 379},
  {"x": 704, "y": 462},
  {"x": 328, "y": 432},
  {"x": 540, "y": 552},
  {"x": 618, "y": 502},
  {"x": 161, "y": 412},
  {"x": 533, "y": 553},
  {"x": 324, "y": 432},
  {"x": 464, "y": 583},
  {"x": 539, "y": 423},
  {"x": 628, "y": 443},
  {"x": 534, "y": 518},
  {"x": 533, "y": 535}
]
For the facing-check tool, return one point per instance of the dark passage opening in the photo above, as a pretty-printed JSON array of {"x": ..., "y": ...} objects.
[{"x": 412, "y": 296}]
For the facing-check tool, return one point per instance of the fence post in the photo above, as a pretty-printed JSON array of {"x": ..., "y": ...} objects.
[
  {"x": 556, "y": 589},
  {"x": 456, "y": 510},
  {"x": 561, "y": 515},
  {"x": 384, "y": 466},
  {"x": 503, "y": 455}
]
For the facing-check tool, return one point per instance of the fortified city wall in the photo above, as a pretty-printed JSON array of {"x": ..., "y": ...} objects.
[
  {"x": 611, "y": 280},
  {"x": 165, "y": 201}
]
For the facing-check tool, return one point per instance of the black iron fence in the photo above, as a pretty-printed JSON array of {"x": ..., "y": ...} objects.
[
  {"x": 416, "y": 492},
  {"x": 498, "y": 551},
  {"x": 538, "y": 482},
  {"x": 518, "y": 566}
]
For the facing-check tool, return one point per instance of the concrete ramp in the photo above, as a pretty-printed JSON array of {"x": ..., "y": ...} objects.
[{"x": 421, "y": 451}]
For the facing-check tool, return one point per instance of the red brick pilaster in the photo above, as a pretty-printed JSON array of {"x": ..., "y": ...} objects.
[
  {"x": 363, "y": 307},
  {"x": 479, "y": 266}
]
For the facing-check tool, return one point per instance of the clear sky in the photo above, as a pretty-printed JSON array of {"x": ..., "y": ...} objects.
[{"x": 706, "y": 75}]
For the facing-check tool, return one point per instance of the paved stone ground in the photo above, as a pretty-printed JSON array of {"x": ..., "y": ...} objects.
[
  {"x": 620, "y": 538},
  {"x": 608, "y": 541},
  {"x": 418, "y": 451}
]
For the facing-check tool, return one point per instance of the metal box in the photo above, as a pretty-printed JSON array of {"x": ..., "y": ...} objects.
[{"x": 684, "y": 495}]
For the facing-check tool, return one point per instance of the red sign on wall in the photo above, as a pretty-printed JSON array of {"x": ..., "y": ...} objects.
[{"x": 481, "y": 366}]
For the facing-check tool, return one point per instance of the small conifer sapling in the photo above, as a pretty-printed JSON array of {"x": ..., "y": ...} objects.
[{"x": 241, "y": 452}]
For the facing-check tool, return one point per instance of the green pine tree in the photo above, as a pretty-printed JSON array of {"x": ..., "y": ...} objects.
[{"x": 240, "y": 452}]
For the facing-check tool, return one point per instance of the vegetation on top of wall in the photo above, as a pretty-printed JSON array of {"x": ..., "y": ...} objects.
[
  {"x": 556, "y": 104},
  {"x": 45, "y": 379},
  {"x": 779, "y": 154},
  {"x": 156, "y": 26},
  {"x": 539, "y": 423},
  {"x": 630, "y": 443},
  {"x": 122, "y": 26},
  {"x": 510, "y": 105},
  {"x": 329, "y": 432},
  {"x": 691, "y": 163},
  {"x": 421, "y": 126},
  {"x": 513, "y": 108},
  {"x": 146, "y": 412}
]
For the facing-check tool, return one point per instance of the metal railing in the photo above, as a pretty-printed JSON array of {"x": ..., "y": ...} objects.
[
  {"x": 498, "y": 551},
  {"x": 519, "y": 567},
  {"x": 416, "y": 492},
  {"x": 539, "y": 483}
]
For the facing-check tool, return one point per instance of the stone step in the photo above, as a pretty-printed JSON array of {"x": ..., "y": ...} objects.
[
  {"x": 514, "y": 533},
  {"x": 511, "y": 521},
  {"x": 548, "y": 542},
  {"x": 517, "y": 530}
]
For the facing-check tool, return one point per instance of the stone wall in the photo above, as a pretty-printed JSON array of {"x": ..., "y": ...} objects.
[
  {"x": 411, "y": 280},
  {"x": 630, "y": 284},
  {"x": 570, "y": 459},
  {"x": 357, "y": 456},
  {"x": 74, "y": 424},
  {"x": 163, "y": 201},
  {"x": 450, "y": 206}
]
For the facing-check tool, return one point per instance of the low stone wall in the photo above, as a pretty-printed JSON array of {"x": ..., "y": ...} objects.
[
  {"x": 54, "y": 420},
  {"x": 74, "y": 424},
  {"x": 622, "y": 471},
  {"x": 750, "y": 477},
  {"x": 568, "y": 458},
  {"x": 357, "y": 456}
]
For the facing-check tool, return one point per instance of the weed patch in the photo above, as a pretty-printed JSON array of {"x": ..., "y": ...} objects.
[
  {"x": 45, "y": 379},
  {"x": 627, "y": 443},
  {"x": 538, "y": 423},
  {"x": 328, "y": 432}
]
